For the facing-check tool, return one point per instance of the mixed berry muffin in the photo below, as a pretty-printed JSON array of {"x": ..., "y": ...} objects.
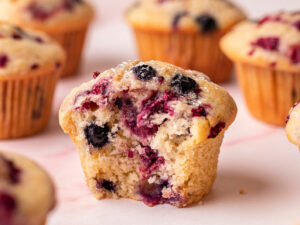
[
  {"x": 185, "y": 33},
  {"x": 30, "y": 65},
  {"x": 148, "y": 131},
  {"x": 66, "y": 21},
  {"x": 26, "y": 191},
  {"x": 267, "y": 59},
  {"x": 293, "y": 125}
]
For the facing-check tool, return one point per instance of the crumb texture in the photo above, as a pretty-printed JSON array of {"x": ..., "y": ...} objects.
[{"x": 148, "y": 131}]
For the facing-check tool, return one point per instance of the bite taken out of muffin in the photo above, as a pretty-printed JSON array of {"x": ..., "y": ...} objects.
[{"x": 148, "y": 131}]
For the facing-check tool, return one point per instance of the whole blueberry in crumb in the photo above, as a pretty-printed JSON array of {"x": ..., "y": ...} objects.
[
  {"x": 183, "y": 85},
  {"x": 106, "y": 184},
  {"x": 207, "y": 23},
  {"x": 144, "y": 72},
  {"x": 96, "y": 136}
]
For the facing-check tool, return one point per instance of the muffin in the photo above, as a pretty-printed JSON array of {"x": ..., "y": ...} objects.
[
  {"x": 30, "y": 65},
  {"x": 148, "y": 131},
  {"x": 293, "y": 125},
  {"x": 26, "y": 191},
  {"x": 66, "y": 21},
  {"x": 266, "y": 54},
  {"x": 185, "y": 33}
]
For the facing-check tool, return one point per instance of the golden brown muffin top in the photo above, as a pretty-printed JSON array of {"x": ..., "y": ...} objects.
[
  {"x": 25, "y": 51},
  {"x": 47, "y": 14},
  {"x": 184, "y": 15},
  {"x": 273, "y": 41}
]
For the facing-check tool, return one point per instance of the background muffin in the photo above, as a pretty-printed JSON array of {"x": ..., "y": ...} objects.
[
  {"x": 26, "y": 191},
  {"x": 149, "y": 131},
  {"x": 267, "y": 58},
  {"x": 293, "y": 125},
  {"x": 185, "y": 33},
  {"x": 30, "y": 65},
  {"x": 66, "y": 21}
]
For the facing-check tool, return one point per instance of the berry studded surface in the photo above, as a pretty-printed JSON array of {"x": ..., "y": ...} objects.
[
  {"x": 153, "y": 133},
  {"x": 273, "y": 41},
  {"x": 26, "y": 191}
]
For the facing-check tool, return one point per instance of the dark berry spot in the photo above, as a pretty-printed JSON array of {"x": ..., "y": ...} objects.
[
  {"x": 106, "y": 185},
  {"x": 268, "y": 43},
  {"x": 297, "y": 24},
  {"x": 144, "y": 72},
  {"x": 58, "y": 65},
  {"x": 97, "y": 136},
  {"x": 269, "y": 18},
  {"x": 161, "y": 79},
  {"x": 7, "y": 207},
  {"x": 150, "y": 160},
  {"x": 17, "y": 36},
  {"x": 152, "y": 193},
  {"x": 214, "y": 131},
  {"x": 35, "y": 66},
  {"x": 294, "y": 54},
  {"x": 14, "y": 172},
  {"x": 96, "y": 74},
  {"x": 200, "y": 111},
  {"x": 3, "y": 60},
  {"x": 119, "y": 103},
  {"x": 39, "y": 40},
  {"x": 207, "y": 23},
  {"x": 177, "y": 18},
  {"x": 89, "y": 105},
  {"x": 183, "y": 85}
]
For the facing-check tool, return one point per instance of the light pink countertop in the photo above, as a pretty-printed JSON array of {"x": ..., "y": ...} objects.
[{"x": 255, "y": 157}]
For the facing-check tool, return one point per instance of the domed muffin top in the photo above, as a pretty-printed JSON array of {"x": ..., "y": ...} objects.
[
  {"x": 26, "y": 191},
  {"x": 184, "y": 15},
  {"x": 46, "y": 14},
  {"x": 273, "y": 41},
  {"x": 25, "y": 52},
  {"x": 147, "y": 94}
]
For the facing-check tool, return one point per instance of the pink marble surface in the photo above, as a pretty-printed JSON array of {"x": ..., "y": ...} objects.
[{"x": 255, "y": 157}]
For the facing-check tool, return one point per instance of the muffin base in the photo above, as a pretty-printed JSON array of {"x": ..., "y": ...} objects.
[
  {"x": 188, "y": 50},
  {"x": 73, "y": 43},
  {"x": 200, "y": 172},
  {"x": 269, "y": 93},
  {"x": 26, "y": 103}
]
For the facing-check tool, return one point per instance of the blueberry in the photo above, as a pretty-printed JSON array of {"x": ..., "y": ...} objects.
[
  {"x": 3, "y": 60},
  {"x": 96, "y": 136},
  {"x": 177, "y": 18},
  {"x": 206, "y": 23},
  {"x": 183, "y": 85},
  {"x": 106, "y": 184},
  {"x": 14, "y": 172},
  {"x": 144, "y": 72},
  {"x": 214, "y": 131},
  {"x": 7, "y": 203}
]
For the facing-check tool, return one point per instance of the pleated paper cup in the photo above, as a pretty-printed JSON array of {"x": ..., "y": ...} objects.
[
  {"x": 73, "y": 43},
  {"x": 194, "y": 51},
  {"x": 269, "y": 93},
  {"x": 26, "y": 102}
]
